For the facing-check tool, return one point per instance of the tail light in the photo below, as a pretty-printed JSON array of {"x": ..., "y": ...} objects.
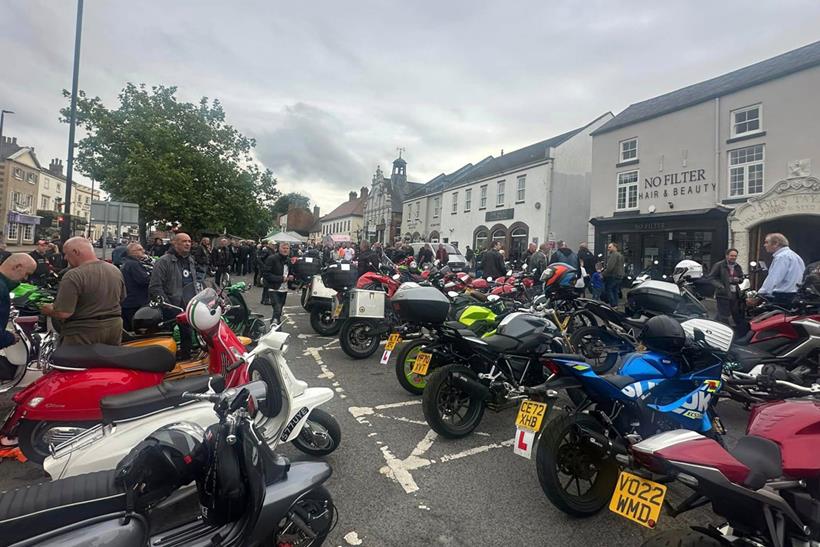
[{"x": 550, "y": 365}]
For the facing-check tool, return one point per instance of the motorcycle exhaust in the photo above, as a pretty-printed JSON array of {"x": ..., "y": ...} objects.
[
  {"x": 471, "y": 386},
  {"x": 603, "y": 443}
]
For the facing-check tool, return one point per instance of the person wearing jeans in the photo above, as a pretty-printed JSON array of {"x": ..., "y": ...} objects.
[
  {"x": 276, "y": 273},
  {"x": 613, "y": 274}
]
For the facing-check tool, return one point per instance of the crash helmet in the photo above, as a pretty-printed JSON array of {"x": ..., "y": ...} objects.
[
  {"x": 687, "y": 269},
  {"x": 559, "y": 275},
  {"x": 146, "y": 320},
  {"x": 811, "y": 278},
  {"x": 204, "y": 311},
  {"x": 664, "y": 334}
]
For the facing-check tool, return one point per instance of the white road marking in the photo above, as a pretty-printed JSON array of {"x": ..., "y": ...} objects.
[
  {"x": 396, "y": 470},
  {"x": 476, "y": 450},
  {"x": 397, "y": 405},
  {"x": 352, "y": 538}
]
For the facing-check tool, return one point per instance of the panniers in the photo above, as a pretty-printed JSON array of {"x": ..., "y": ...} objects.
[{"x": 420, "y": 305}]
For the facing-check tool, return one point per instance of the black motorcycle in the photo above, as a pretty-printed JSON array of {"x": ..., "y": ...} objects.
[{"x": 246, "y": 494}]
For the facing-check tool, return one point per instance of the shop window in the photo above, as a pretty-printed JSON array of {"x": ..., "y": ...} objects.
[
  {"x": 521, "y": 189},
  {"x": 468, "y": 200},
  {"x": 627, "y": 191},
  {"x": 455, "y": 202},
  {"x": 746, "y": 121},
  {"x": 629, "y": 149},
  {"x": 746, "y": 171},
  {"x": 28, "y": 232},
  {"x": 518, "y": 245},
  {"x": 482, "y": 204},
  {"x": 480, "y": 239},
  {"x": 500, "y": 235},
  {"x": 13, "y": 231},
  {"x": 499, "y": 195}
]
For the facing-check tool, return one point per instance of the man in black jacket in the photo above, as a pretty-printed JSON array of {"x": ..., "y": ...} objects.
[
  {"x": 221, "y": 260},
  {"x": 492, "y": 263},
  {"x": 137, "y": 276},
  {"x": 262, "y": 256},
  {"x": 726, "y": 275},
  {"x": 276, "y": 274},
  {"x": 368, "y": 259},
  {"x": 202, "y": 257}
]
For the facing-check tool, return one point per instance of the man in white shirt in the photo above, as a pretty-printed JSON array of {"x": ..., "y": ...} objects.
[{"x": 786, "y": 271}]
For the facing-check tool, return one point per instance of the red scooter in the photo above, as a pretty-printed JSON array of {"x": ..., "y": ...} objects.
[
  {"x": 765, "y": 486},
  {"x": 66, "y": 399}
]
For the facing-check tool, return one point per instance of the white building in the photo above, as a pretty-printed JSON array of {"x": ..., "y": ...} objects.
[
  {"x": 346, "y": 219},
  {"x": 534, "y": 194}
]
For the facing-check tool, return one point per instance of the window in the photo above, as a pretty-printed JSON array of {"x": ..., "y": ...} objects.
[
  {"x": 87, "y": 199},
  {"x": 455, "y": 202},
  {"x": 482, "y": 204},
  {"x": 521, "y": 189},
  {"x": 28, "y": 232},
  {"x": 499, "y": 195},
  {"x": 480, "y": 239},
  {"x": 436, "y": 206},
  {"x": 468, "y": 199},
  {"x": 746, "y": 171},
  {"x": 45, "y": 183},
  {"x": 746, "y": 121},
  {"x": 59, "y": 188},
  {"x": 44, "y": 202},
  {"x": 627, "y": 190},
  {"x": 17, "y": 199},
  {"x": 31, "y": 177},
  {"x": 629, "y": 149},
  {"x": 13, "y": 231},
  {"x": 418, "y": 207},
  {"x": 29, "y": 199}
]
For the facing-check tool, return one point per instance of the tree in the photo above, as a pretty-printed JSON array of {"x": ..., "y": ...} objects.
[
  {"x": 178, "y": 161},
  {"x": 282, "y": 204}
]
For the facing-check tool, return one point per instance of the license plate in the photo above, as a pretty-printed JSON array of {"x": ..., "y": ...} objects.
[
  {"x": 637, "y": 499},
  {"x": 394, "y": 339},
  {"x": 422, "y": 363},
  {"x": 530, "y": 415},
  {"x": 385, "y": 357}
]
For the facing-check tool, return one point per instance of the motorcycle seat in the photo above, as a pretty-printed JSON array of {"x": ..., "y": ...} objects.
[
  {"x": 146, "y": 359},
  {"x": 619, "y": 381},
  {"x": 637, "y": 322},
  {"x": 460, "y": 328},
  {"x": 28, "y": 511},
  {"x": 501, "y": 343},
  {"x": 744, "y": 340},
  {"x": 748, "y": 356},
  {"x": 761, "y": 456},
  {"x": 116, "y": 408}
]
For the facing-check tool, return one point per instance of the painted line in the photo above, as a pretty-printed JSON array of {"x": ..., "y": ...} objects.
[
  {"x": 396, "y": 470},
  {"x": 474, "y": 451},
  {"x": 397, "y": 405}
]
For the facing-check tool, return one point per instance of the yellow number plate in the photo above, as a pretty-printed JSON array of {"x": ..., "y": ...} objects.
[
  {"x": 638, "y": 499},
  {"x": 392, "y": 341},
  {"x": 422, "y": 363},
  {"x": 530, "y": 415},
  {"x": 337, "y": 309}
]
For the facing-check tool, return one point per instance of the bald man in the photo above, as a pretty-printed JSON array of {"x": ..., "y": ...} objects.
[
  {"x": 16, "y": 268},
  {"x": 89, "y": 297}
]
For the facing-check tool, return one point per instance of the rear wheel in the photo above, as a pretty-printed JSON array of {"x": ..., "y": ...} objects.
[
  {"x": 323, "y": 323},
  {"x": 449, "y": 411},
  {"x": 356, "y": 339},
  {"x": 413, "y": 383},
  {"x": 314, "y": 510},
  {"x": 320, "y": 435},
  {"x": 34, "y": 436},
  {"x": 681, "y": 538},
  {"x": 572, "y": 473}
]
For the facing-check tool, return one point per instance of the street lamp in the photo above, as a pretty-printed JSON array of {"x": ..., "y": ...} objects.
[{"x": 72, "y": 122}]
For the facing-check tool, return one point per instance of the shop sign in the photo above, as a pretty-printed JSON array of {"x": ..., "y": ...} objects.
[
  {"x": 650, "y": 225},
  {"x": 501, "y": 214},
  {"x": 676, "y": 185}
]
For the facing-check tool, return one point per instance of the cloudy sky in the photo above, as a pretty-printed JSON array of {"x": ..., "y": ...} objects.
[{"x": 330, "y": 89}]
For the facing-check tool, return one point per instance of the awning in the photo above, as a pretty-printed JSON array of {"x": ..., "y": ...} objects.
[
  {"x": 282, "y": 237},
  {"x": 715, "y": 212},
  {"x": 337, "y": 238},
  {"x": 21, "y": 218}
]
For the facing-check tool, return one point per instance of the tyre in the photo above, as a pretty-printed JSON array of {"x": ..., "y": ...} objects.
[
  {"x": 356, "y": 340},
  {"x": 406, "y": 358},
  {"x": 449, "y": 411},
  {"x": 31, "y": 436},
  {"x": 314, "y": 509},
  {"x": 320, "y": 435},
  {"x": 572, "y": 473},
  {"x": 322, "y": 321},
  {"x": 681, "y": 538},
  {"x": 599, "y": 348}
]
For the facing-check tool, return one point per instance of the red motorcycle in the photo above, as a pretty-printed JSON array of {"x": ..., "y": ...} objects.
[
  {"x": 766, "y": 486},
  {"x": 66, "y": 399}
]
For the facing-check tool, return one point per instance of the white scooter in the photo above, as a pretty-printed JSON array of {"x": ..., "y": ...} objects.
[{"x": 134, "y": 416}]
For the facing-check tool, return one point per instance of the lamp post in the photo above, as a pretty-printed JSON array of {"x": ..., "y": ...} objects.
[{"x": 72, "y": 122}]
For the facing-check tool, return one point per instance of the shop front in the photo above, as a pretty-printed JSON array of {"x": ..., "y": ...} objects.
[{"x": 699, "y": 235}]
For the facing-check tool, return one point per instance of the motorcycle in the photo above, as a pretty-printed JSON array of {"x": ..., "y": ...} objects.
[
  {"x": 613, "y": 336},
  {"x": 765, "y": 486},
  {"x": 128, "y": 418},
  {"x": 652, "y": 391},
  {"x": 319, "y": 302},
  {"x": 239, "y": 316},
  {"x": 247, "y": 495},
  {"x": 66, "y": 400}
]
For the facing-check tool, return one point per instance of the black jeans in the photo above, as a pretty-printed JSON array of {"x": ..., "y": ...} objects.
[
  {"x": 277, "y": 300},
  {"x": 220, "y": 272},
  {"x": 186, "y": 334},
  {"x": 729, "y": 307},
  {"x": 127, "y": 316}
]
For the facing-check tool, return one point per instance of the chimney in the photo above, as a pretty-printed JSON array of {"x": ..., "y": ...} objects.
[
  {"x": 56, "y": 167},
  {"x": 351, "y": 196},
  {"x": 364, "y": 192},
  {"x": 14, "y": 140},
  {"x": 316, "y": 212},
  {"x": 502, "y": 151}
]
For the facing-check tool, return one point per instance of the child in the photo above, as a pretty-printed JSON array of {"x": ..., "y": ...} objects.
[{"x": 596, "y": 283}]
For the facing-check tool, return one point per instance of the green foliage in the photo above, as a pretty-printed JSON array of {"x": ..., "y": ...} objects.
[
  {"x": 282, "y": 204},
  {"x": 179, "y": 161}
]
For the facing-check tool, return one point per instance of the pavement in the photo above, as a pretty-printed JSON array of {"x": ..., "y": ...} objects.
[{"x": 395, "y": 482}]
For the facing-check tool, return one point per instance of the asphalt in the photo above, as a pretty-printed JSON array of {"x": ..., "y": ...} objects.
[{"x": 395, "y": 482}]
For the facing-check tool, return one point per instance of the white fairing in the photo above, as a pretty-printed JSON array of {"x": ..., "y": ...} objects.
[
  {"x": 665, "y": 440},
  {"x": 718, "y": 335},
  {"x": 661, "y": 286},
  {"x": 318, "y": 289},
  {"x": 17, "y": 354}
]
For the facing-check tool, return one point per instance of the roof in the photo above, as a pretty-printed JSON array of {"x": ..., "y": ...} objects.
[
  {"x": 12, "y": 154},
  {"x": 752, "y": 75},
  {"x": 350, "y": 208}
]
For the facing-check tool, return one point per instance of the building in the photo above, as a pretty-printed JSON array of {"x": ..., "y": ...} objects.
[
  {"x": 51, "y": 197},
  {"x": 383, "y": 205},
  {"x": 715, "y": 164},
  {"x": 534, "y": 194},
  {"x": 19, "y": 182},
  {"x": 347, "y": 219}
]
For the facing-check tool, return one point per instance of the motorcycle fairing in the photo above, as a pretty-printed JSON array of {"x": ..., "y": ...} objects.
[{"x": 648, "y": 364}]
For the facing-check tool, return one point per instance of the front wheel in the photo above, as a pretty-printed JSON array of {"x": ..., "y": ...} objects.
[
  {"x": 35, "y": 436},
  {"x": 356, "y": 339},
  {"x": 320, "y": 435},
  {"x": 681, "y": 538},
  {"x": 322, "y": 321},
  {"x": 410, "y": 381},
  {"x": 314, "y": 510},
  {"x": 449, "y": 411},
  {"x": 572, "y": 473}
]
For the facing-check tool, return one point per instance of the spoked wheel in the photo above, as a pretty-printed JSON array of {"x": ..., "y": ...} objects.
[
  {"x": 356, "y": 339},
  {"x": 599, "y": 348},
  {"x": 320, "y": 435},
  {"x": 412, "y": 382},
  {"x": 34, "y": 436},
  {"x": 315, "y": 510},
  {"x": 450, "y": 411},
  {"x": 322, "y": 321},
  {"x": 572, "y": 473}
]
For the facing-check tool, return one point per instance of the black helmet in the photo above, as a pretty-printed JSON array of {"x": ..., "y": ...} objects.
[
  {"x": 664, "y": 334},
  {"x": 811, "y": 278},
  {"x": 146, "y": 320}
]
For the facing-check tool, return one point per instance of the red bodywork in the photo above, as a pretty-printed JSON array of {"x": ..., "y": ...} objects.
[
  {"x": 795, "y": 426},
  {"x": 709, "y": 453},
  {"x": 776, "y": 325},
  {"x": 75, "y": 395},
  {"x": 372, "y": 278}
]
